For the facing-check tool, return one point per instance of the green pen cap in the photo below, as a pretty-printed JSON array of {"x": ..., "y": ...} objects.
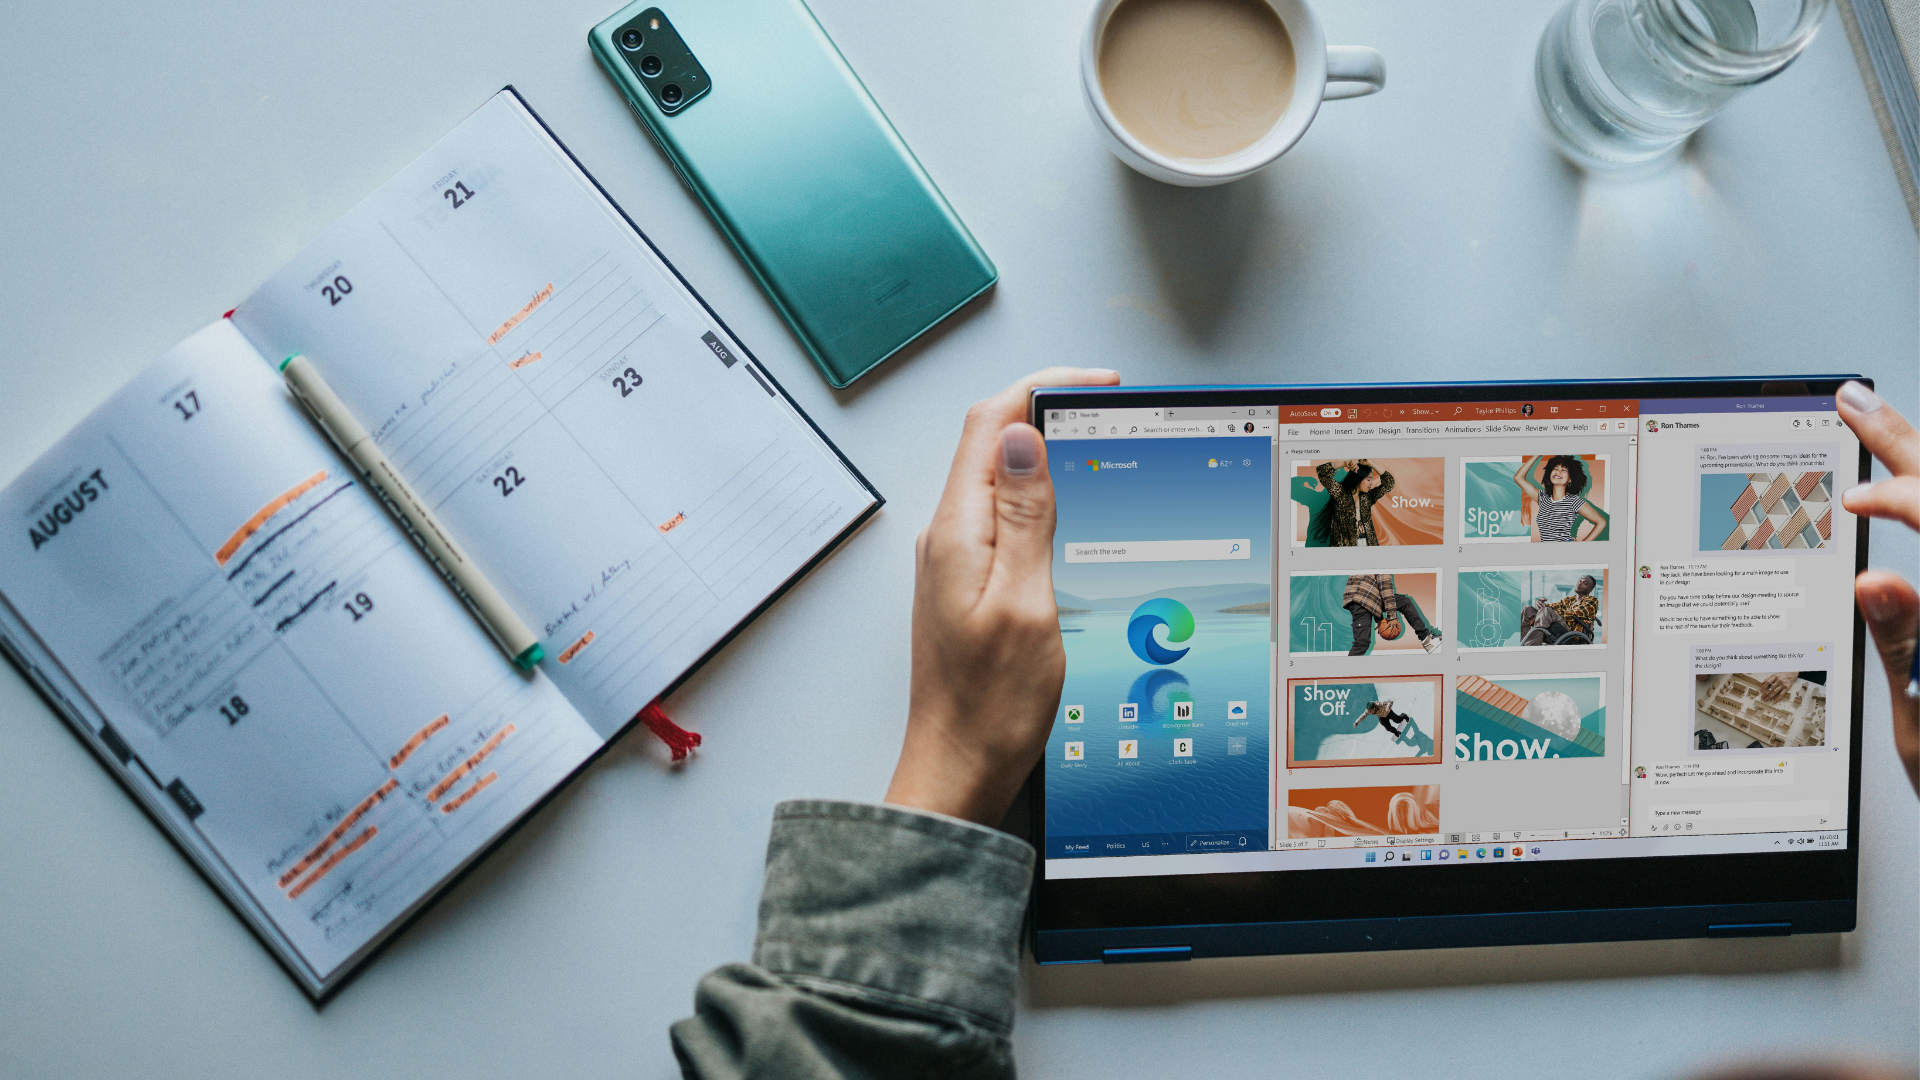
[
  {"x": 530, "y": 659},
  {"x": 284, "y": 363}
]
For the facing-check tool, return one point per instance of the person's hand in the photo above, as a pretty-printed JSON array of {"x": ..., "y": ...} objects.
[
  {"x": 1777, "y": 685},
  {"x": 1891, "y": 607},
  {"x": 987, "y": 659}
]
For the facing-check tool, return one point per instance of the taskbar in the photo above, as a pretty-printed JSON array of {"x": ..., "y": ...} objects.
[{"x": 1171, "y": 862}]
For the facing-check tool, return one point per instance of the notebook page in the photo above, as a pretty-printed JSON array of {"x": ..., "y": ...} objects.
[
  {"x": 320, "y": 712},
  {"x": 44, "y": 671},
  {"x": 565, "y": 407}
]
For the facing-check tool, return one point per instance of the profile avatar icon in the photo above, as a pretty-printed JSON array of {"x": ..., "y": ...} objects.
[
  {"x": 1653, "y": 425},
  {"x": 1646, "y": 573},
  {"x": 1640, "y": 772},
  {"x": 1526, "y": 410},
  {"x": 1160, "y": 611}
]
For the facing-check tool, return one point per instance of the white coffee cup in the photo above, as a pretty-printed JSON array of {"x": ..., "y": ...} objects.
[{"x": 1321, "y": 73}]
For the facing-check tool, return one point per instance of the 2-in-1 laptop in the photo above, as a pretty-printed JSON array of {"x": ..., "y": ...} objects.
[{"x": 1392, "y": 667}]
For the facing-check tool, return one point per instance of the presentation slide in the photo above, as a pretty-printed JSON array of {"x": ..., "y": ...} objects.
[
  {"x": 1380, "y": 502},
  {"x": 1534, "y": 498},
  {"x": 1529, "y": 717},
  {"x": 1408, "y": 810},
  {"x": 1525, "y": 607},
  {"x": 1356, "y": 613},
  {"x": 1385, "y": 720}
]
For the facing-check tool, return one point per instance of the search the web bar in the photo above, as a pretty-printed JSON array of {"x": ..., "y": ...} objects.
[{"x": 1159, "y": 551}]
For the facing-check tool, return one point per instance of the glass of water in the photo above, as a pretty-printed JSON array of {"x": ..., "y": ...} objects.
[{"x": 1624, "y": 82}]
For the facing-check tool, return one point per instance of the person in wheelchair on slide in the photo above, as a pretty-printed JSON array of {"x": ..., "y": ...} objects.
[{"x": 1567, "y": 621}]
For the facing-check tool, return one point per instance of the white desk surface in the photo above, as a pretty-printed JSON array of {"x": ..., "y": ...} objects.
[{"x": 161, "y": 160}]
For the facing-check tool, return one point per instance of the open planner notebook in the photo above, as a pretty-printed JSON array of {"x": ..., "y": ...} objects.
[{"x": 215, "y": 601}]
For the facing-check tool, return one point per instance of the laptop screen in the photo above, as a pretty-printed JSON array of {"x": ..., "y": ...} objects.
[{"x": 1328, "y": 636}]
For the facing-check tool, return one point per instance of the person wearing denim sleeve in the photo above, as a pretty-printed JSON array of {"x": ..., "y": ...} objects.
[{"x": 889, "y": 940}]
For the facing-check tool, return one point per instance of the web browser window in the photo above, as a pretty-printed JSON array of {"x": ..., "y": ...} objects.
[{"x": 1324, "y": 636}]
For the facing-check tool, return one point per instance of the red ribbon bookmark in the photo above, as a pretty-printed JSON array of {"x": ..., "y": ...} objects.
[{"x": 678, "y": 739}]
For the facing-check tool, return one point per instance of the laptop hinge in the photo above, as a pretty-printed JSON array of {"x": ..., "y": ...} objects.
[
  {"x": 1750, "y": 929},
  {"x": 1147, "y": 954}
]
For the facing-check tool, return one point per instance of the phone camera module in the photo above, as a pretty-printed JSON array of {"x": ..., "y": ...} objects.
[
  {"x": 631, "y": 39},
  {"x": 671, "y": 94},
  {"x": 650, "y": 66}
]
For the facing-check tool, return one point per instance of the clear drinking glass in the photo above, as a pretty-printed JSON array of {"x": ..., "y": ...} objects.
[{"x": 1624, "y": 82}]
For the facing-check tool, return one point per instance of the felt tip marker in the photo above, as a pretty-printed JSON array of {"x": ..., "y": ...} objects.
[{"x": 481, "y": 597}]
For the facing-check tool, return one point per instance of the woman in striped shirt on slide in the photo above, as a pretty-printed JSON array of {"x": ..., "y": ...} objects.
[{"x": 1562, "y": 505}]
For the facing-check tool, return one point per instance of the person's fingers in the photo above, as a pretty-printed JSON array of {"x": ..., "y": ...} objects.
[
  {"x": 1882, "y": 430},
  {"x": 963, "y": 524},
  {"x": 979, "y": 439},
  {"x": 1892, "y": 611},
  {"x": 1896, "y": 497}
]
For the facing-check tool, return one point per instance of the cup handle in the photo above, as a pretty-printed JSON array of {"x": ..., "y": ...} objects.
[{"x": 1354, "y": 71}]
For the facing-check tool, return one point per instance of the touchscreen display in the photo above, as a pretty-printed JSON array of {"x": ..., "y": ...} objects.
[{"x": 1326, "y": 636}]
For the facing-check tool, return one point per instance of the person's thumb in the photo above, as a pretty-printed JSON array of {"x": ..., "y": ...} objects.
[{"x": 1023, "y": 508}]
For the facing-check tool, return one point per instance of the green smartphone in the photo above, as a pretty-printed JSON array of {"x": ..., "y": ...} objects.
[{"x": 765, "y": 122}]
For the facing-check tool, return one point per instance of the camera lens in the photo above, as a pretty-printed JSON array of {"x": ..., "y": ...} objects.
[
  {"x": 649, "y": 66},
  {"x": 630, "y": 38},
  {"x": 670, "y": 93}
]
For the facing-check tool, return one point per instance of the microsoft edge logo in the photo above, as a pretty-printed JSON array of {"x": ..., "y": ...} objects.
[{"x": 1159, "y": 611}]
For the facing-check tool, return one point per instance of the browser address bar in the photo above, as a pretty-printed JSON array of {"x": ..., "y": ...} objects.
[{"x": 1159, "y": 551}]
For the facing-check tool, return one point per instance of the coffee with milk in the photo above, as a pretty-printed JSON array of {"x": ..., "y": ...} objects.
[{"x": 1196, "y": 79}]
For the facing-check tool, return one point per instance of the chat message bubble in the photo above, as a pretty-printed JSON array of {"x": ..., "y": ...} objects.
[
  {"x": 1714, "y": 659},
  {"x": 1738, "y": 772},
  {"x": 1677, "y": 576},
  {"x": 1745, "y": 622},
  {"x": 1765, "y": 457},
  {"x": 1735, "y": 610}
]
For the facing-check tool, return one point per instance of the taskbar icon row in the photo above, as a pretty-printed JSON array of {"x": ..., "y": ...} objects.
[{"x": 1500, "y": 852}]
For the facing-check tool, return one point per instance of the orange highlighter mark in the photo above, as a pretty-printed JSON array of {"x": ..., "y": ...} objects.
[
  {"x": 469, "y": 793},
  {"x": 523, "y": 361},
  {"x": 339, "y": 831},
  {"x": 672, "y": 523},
  {"x": 334, "y": 860},
  {"x": 533, "y": 305},
  {"x": 446, "y": 783},
  {"x": 573, "y": 650},
  {"x": 256, "y": 521},
  {"x": 414, "y": 743}
]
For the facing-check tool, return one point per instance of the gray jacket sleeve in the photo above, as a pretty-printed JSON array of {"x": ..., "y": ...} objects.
[{"x": 889, "y": 946}]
